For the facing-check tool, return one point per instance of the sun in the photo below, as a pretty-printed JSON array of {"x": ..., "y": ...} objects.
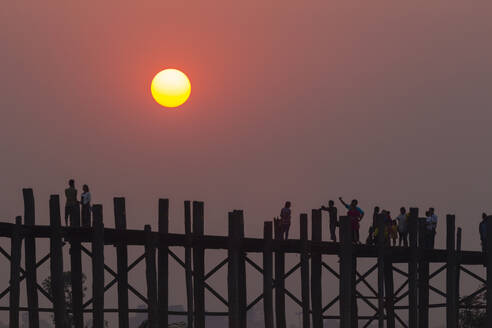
[{"x": 170, "y": 88}]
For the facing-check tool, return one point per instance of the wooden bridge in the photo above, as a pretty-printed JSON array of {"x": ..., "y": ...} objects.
[{"x": 384, "y": 300}]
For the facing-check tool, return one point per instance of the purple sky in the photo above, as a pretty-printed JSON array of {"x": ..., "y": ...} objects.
[{"x": 385, "y": 101}]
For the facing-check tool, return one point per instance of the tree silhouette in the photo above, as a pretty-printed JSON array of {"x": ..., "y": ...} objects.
[{"x": 473, "y": 314}]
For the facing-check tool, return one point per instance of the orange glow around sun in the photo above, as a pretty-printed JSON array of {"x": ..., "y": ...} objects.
[{"x": 170, "y": 88}]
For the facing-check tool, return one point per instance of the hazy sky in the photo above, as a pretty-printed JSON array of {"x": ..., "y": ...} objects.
[{"x": 386, "y": 101}]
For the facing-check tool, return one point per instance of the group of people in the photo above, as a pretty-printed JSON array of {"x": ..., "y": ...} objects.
[
  {"x": 395, "y": 230},
  {"x": 72, "y": 204}
]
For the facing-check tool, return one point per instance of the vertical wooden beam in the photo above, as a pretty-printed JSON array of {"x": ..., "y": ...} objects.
[
  {"x": 121, "y": 263},
  {"x": 268, "y": 274},
  {"x": 30, "y": 260},
  {"x": 381, "y": 246},
  {"x": 412, "y": 269},
  {"x": 353, "y": 301},
  {"x": 423, "y": 277},
  {"x": 458, "y": 270},
  {"x": 316, "y": 299},
  {"x": 15, "y": 260},
  {"x": 489, "y": 273},
  {"x": 163, "y": 265},
  {"x": 233, "y": 273},
  {"x": 98, "y": 267},
  {"x": 304, "y": 270},
  {"x": 151, "y": 275},
  {"x": 346, "y": 254},
  {"x": 242, "y": 269},
  {"x": 199, "y": 265},
  {"x": 76, "y": 273},
  {"x": 188, "y": 264},
  {"x": 452, "y": 306},
  {"x": 389, "y": 291},
  {"x": 56, "y": 264},
  {"x": 279, "y": 281}
]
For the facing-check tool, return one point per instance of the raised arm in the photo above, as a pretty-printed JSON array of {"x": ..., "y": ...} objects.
[{"x": 344, "y": 204}]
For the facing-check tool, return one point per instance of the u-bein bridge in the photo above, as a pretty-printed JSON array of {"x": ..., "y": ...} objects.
[{"x": 385, "y": 300}]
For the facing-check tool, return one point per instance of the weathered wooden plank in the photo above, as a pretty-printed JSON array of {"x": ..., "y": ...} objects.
[
  {"x": 279, "y": 281},
  {"x": 151, "y": 275},
  {"x": 76, "y": 273},
  {"x": 188, "y": 263},
  {"x": 233, "y": 275},
  {"x": 451, "y": 299},
  {"x": 423, "y": 277},
  {"x": 316, "y": 291},
  {"x": 268, "y": 275},
  {"x": 30, "y": 260},
  {"x": 56, "y": 264},
  {"x": 346, "y": 253},
  {"x": 389, "y": 292},
  {"x": 98, "y": 267},
  {"x": 163, "y": 264},
  {"x": 239, "y": 226},
  {"x": 381, "y": 248},
  {"x": 306, "y": 322},
  {"x": 458, "y": 269},
  {"x": 489, "y": 274},
  {"x": 15, "y": 260},
  {"x": 199, "y": 266},
  {"x": 412, "y": 269},
  {"x": 121, "y": 263}
]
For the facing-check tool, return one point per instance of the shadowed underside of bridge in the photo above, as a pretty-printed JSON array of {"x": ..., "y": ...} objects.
[{"x": 392, "y": 302}]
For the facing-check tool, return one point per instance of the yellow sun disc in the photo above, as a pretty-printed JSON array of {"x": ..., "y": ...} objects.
[{"x": 170, "y": 88}]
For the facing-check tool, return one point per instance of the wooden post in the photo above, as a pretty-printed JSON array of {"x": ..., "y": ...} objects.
[
  {"x": 30, "y": 258},
  {"x": 346, "y": 254},
  {"x": 381, "y": 246},
  {"x": 389, "y": 291},
  {"x": 489, "y": 273},
  {"x": 56, "y": 264},
  {"x": 458, "y": 270},
  {"x": 163, "y": 264},
  {"x": 15, "y": 260},
  {"x": 268, "y": 274},
  {"x": 199, "y": 266},
  {"x": 121, "y": 263},
  {"x": 412, "y": 269},
  {"x": 76, "y": 273},
  {"x": 423, "y": 274},
  {"x": 242, "y": 269},
  {"x": 233, "y": 272},
  {"x": 188, "y": 264},
  {"x": 279, "y": 281},
  {"x": 150, "y": 273},
  {"x": 237, "y": 271},
  {"x": 304, "y": 270},
  {"x": 316, "y": 299},
  {"x": 452, "y": 306},
  {"x": 98, "y": 267}
]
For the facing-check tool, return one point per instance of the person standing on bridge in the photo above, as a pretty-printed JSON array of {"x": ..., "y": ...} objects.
[
  {"x": 375, "y": 217},
  {"x": 354, "y": 217},
  {"x": 285, "y": 215},
  {"x": 431, "y": 227},
  {"x": 85, "y": 200},
  {"x": 332, "y": 211},
  {"x": 71, "y": 203},
  {"x": 482, "y": 229},
  {"x": 403, "y": 227}
]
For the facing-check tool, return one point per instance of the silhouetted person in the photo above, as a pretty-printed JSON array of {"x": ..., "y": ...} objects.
[
  {"x": 370, "y": 237},
  {"x": 285, "y": 220},
  {"x": 85, "y": 200},
  {"x": 375, "y": 216},
  {"x": 354, "y": 216},
  {"x": 482, "y": 229},
  {"x": 403, "y": 227},
  {"x": 431, "y": 227},
  {"x": 332, "y": 211},
  {"x": 394, "y": 232},
  {"x": 71, "y": 204}
]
